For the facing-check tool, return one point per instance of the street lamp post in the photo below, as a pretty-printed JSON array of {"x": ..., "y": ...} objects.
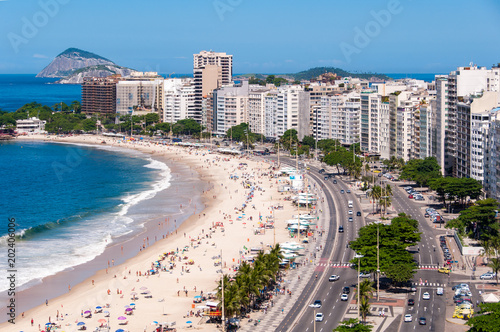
[
  {"x": 359, "y": 271},
  {"x": 378, "y": 261}
]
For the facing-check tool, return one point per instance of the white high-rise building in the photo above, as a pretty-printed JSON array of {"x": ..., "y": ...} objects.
[
  {"x": 231, "y": 107},
  {"x": 179, "y": 99}
]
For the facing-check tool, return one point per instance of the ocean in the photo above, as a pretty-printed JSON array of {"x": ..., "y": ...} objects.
[
  {"x": 18, "y": 90},
  {"x": 71, "y": 201}
]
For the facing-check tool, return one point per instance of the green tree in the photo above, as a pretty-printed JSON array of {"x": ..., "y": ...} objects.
[
  {"x": 89, "y": 125},
  {"x": 353, "y": 325},
  {"x": 309, "y": 141},
  {"x": 151, "y": 118},
  {"x": 400, "y": 273},
  {"x": 478, "y": 221},
  {"x": 421, "y": 170},
  {"x": 494, "y": 263},
  {"x": 365, "y": 293},
  {"x": 289, "y": 139},
  {"x": 270, "y": 79},
  {"x": 487, "y": 319}
]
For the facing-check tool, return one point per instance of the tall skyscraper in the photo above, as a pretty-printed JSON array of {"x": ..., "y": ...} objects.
[{"x": 211, "y": 70}]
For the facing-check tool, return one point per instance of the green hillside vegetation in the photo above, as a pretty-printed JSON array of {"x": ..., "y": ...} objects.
[
  {"x": 315, "y": 72},
  {"x": 84, "y": 54}
]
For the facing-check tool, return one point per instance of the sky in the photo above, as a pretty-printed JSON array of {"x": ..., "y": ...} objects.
[{"x": 273, "y": 36}]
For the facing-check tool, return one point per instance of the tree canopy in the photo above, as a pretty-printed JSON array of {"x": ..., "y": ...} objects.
[
  {"x": 421, "y": 170},
  {"x": 394, "y": 239},
  {"x": 456, "y": 188},
  {"x": 487, "y": 319},
  {"x": 478, "y": 221}
]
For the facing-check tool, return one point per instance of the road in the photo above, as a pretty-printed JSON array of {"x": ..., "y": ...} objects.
[
  {"x": 335, "y": 254},
  {"x": 434, "y": 309}
]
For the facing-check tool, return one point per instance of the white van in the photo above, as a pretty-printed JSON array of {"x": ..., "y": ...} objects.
[
  {"x": 439, "y": 291},
  {"x": 349, "y": 203}
]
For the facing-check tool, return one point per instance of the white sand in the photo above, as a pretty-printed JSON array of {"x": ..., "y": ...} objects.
[{"x": 166, "y": 305}]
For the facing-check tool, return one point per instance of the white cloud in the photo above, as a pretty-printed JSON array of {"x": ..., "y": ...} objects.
[{"x": 36, "y": 55}]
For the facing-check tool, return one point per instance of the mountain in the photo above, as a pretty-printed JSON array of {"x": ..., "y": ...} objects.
[
  {"x": 315, "y": 72},
  {"x": 74, "y": 64}
]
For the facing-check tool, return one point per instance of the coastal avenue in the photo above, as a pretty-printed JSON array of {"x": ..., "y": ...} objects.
[
  {"x": 434, "y": 309},
  {"x": 335, "y": 252},
  {"x": 302, "y": 316}
]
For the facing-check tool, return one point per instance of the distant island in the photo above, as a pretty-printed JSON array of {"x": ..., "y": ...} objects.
[{"x": 74, "y": 64}]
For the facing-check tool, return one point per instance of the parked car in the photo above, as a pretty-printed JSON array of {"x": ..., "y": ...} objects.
[
  {"x": 410, "y": 196},
  {"x": 364, "y": 275},
  {"x": 321, "y": 171},
  {"x": 487, "y": 276},
  {"x": 419, "y": 198},
  {"x": 460, "y": 286}
]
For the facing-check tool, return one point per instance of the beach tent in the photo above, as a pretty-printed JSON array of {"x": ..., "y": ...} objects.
[
  {"x": 211, "y": 304},
  {"x": 489, "y": 298}
]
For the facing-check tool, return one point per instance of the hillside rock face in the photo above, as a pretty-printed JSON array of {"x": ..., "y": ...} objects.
[{"x": 74, "y": 64}]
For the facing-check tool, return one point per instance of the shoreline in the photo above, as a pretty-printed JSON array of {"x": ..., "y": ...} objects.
[
  {"x": 122, "y": 248},
  {"x": 192, "y": 224}
]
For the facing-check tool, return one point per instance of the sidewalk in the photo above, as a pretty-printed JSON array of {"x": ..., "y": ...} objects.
[{"x": 269, "y": 320}]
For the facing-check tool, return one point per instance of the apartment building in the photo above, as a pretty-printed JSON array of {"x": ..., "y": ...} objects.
[
  {"x": 179, "y": 98},
  {"x": 231, "y": 107},
  {"x": 374, "y": 127},
  {"x": 141, "y": 93},
  {"x": 204, "y": 59},
  {"x": 99, "y": 94}
]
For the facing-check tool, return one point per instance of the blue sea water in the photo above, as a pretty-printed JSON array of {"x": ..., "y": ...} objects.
[
  {"x": 18, "y": 90},
  {"x": 428, "y": 77},
  {"x": 70, "y": 202}
]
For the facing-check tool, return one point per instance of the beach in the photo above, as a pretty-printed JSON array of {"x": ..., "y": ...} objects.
[{"x": 217, "y": 235}]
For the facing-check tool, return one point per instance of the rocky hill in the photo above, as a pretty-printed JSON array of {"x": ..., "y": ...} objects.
[{"x": 74, "y": 64}]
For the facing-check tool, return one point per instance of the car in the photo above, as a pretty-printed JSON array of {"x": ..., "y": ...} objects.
[
  {"x": 346, "y": 290},
  {"x": 444, "y": 270},
  {"x": 419, "y": 198},
  {"x": 487, "y": 276},
  {"x": 358, "y": 214},
  {"x": 319, "y": 317},
  {"x": 411, "y": 302},
  {"x": 408, "y": 318},
  {"x": 321, "y": 171},
  {"x": 348, "y": 191},
  {"x": 333, "y": 277},
  {"x": 344, "y": 297},
  {"x": 460, "y": 286},
  {"x": 316, "y": 304},
  {"x": 422, "y": 321},
  {"x": 350, "y": 212},
  {"x": 350, "y": 219},
  {"x": 334, "y": 181},
  {"x": 364, "y": 275},
  {"x": 410, "y": 196},
  {"x": 426, "y": 296},
  {"x": 426, "y": 215},
  {"x": 439, "y": 291},
  {"x": 341, "y": 191}
]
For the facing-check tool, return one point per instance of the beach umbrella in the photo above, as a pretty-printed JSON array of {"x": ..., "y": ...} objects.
[
  {"x": 122, "y": 318},
  {"x": 143, "y": 288},
  {"x": 146, "y": 292},
  {"x": 102, "y": 320},
  {"x": 127, "y": 306},
  {"x": 98, "y": 307},
  {"x": 47, "y": 324},
  {"x": 120, "y": 330},
  {"x": 129, "y": 309},
  {"x": 87, "y": 312},
  {"x": 79, "y": 323},
  {"x": 132, "y": 304},
  {"x": 189, "y": 322},
  {"x": 155, "y": 322},
  {"x": 197, "y": 297},
  {"x": 133, "y": 293}
]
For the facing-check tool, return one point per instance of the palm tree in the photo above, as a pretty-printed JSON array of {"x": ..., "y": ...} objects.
[
  {"x": 365, "y": 293},
  {"x": 375, "y": 195},
  {"x": 232, "y": 297},
  {"x": 494, "y": 263},
  {"x": 386, "y": 200}
]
